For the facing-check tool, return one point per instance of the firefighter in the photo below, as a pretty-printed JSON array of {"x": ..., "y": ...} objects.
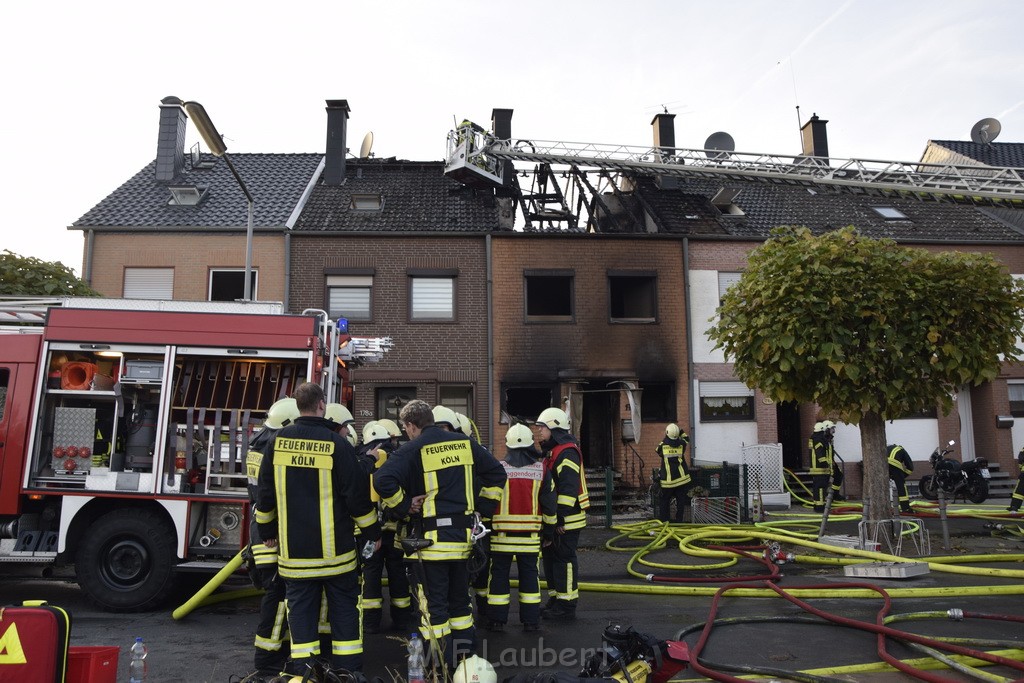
[
  {"x": 272, "y": 630},
  {"x": 393, "y": 431},
  {"x": 823, "y": 464},
  {"x": 310, "y": 482},
  {"x": 675, "y": 473},
  {"x": 900, "y": 465},
  {"x": 1018, "y": 490},
  {"x": 441, "y": 479},
  {"x": 372, "y": 455},
  {"x": 526, "y": 514},
  {"x": 565, "y": 462}
]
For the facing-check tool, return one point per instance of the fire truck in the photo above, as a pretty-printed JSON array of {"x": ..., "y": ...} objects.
[{"x": 124, "y": 426}]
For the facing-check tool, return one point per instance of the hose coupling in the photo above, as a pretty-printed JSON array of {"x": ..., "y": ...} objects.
[
  {"x": 650, "y": 578},
  {"x": 956, "y": 614},
  {"x": 211, "y": 537}
]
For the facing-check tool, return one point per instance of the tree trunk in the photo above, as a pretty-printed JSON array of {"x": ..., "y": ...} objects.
[{"x": 876, "y": 468}]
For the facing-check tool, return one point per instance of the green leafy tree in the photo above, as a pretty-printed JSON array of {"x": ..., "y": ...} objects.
[
  {"x": 30, "y": 276},
  {"x": 867, "y": 329}
]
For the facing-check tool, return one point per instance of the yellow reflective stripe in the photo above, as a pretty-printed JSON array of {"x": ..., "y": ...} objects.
[
  {"x": 505, "y": 599},
  {"x": 568, "y": 463},
  {"x": 302, "y": 650},
  {"x": 327, "y": 539},
  {"x": 267, "y": 644},
  {"x": 499, "y": 546},
  {"x": 401, "y": 602},
  {"x": 461, "y": 623},
  {"x": 346, "y": 647},
  {"x": 366, "y": 520},
  {"x": 529, "y": 598},
  {"x": 430, "y": 484},
  {"x": 372, "y": 603},
  {"x": 446, "y": 551},
  {"x": 567, "y": 500},
  {"x": 550, "y": 519},
  {"x": 492, "y": 492},
  {"x": 282, "y": 517},
  {"x": 517, "y": 526},
  {"x": 265, "y": 517},
  {"x": 438, "y": 630},
  {"x": 395, "y": 499}
]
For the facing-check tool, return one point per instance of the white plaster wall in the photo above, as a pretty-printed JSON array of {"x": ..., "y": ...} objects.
[
  {"x": 919, "y": 437},
  {"x": 722, "y": 441},
  {"x": 703, "y": 302}
]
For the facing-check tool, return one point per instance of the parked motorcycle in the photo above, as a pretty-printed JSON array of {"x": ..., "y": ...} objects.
[{"x": 955, "y": 479}]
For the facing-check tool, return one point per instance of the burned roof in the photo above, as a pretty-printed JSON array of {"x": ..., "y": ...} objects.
[{"x": 990, "y": 153}]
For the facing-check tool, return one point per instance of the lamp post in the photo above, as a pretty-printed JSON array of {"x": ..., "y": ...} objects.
[{"x": 215, "y": 142}]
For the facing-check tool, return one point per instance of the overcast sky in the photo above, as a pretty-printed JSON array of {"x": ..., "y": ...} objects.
[{"x": 83, "y": 80}]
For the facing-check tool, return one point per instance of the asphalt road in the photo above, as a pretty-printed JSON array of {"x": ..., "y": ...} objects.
[{"x": 214, "y": 643}]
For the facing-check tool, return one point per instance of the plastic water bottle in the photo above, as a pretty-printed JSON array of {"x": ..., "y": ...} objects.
[
  {"x": 416, "y": 660},
  {"x": 137, "y": 667}
]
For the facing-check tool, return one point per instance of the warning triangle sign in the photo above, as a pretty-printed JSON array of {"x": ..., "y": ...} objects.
[{"x": 11, "y": 651}]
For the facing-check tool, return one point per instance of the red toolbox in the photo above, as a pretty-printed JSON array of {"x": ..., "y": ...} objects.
[
  {"x": 92, "y": 664},
  {"x": 33, "y": 643}
]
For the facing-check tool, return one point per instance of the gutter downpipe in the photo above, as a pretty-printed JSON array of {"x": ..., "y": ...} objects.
[
  {"x": 490, "y": 344},
  {"x": 90, "y": 239},
  {"x": 287, "y": 269},
  {"x": 689, "y": 343}
]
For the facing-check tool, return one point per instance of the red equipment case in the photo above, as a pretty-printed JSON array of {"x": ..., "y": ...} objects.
[{"x": 33, "y": 643}]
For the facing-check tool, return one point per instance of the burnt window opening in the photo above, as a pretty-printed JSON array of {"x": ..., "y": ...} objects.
[
  {"x": 523, "y": 403},
  {"x": 633, "y": 298},
  {"x": 549, "y": 297},
  {"x": 658, "y": 402},
  {"x": 228, "y": 284}
]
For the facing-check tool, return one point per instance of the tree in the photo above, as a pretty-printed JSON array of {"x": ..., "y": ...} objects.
[
  {"x": 867, "y": 329},
  {"x": 30, "y": 276}
]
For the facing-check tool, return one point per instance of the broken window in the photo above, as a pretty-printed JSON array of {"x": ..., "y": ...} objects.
[
  {"x": 524, "y": 402},
  {"x": 658, "y": 402},
  {"x": 549, "y": 296},
  {"x": 633, "y": 297},
  {"x": 228, "y": 284}
]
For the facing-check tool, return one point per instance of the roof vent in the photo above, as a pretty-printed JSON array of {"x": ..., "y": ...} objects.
[
  {"x": 366, "y": 202},
  {"x": 724, "y": 201},
  {"x": 185, "y": 195},
  {"x": 196, "y": 157}
]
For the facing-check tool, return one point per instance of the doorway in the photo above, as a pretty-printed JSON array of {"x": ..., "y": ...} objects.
[
  {"x": 600, "y": 413},
  {"x": 788, "y": 416}
]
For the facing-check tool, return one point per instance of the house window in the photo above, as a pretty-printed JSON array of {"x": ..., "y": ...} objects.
[
  {"x": 432, "y": 298},
  {"x": 148, "y": 283},
  {"x": 633, "y": 297},
  {"x": 459, "y": 399},
  {"x": 549, "y": 296},
  {"x": 726, "y": 402},
  {"x": 1016, "y": 391},
  {"x": 391, "y": 399},
  {"x": 658, "y": 401},
  {"x": 228, "y": 284},
  {"x": 348, "y": 296},
  {"x": 366, "y": 202},
  {"x": 889, "y": 213},
  {"x": 725, "y": 281},
  {"x": 524, "y": 402}
]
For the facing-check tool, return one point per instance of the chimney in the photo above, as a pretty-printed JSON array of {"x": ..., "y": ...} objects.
[
  {"x": 501, "y": 125},
  {"x": 170, "y": 144},
  {"x": 337, "y": 122},
  {"x": 814, "y": 138},
  {"x": 665, "y": 136}
]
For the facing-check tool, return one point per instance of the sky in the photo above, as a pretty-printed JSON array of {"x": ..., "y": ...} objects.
[{"x": 82, "y": 81}]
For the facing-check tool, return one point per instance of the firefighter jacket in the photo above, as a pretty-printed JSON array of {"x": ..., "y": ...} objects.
[
  {"x": 312, "y": 494},
  {"x": 900, "y": 459},
  {"x": 258, "y": 447},
  {"x": 820, "y": 445},
  {"x": 458, "y": 478},
  {"x": 674, "y": 472},
  {"x": 1020, "y": 460},
  {"x": 565, "y": 462},
  {"x": 528, "y": 504},
  {"x": 371, "y": 457}
]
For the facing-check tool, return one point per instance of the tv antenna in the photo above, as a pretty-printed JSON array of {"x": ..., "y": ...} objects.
[
  {"x": 718, "y": 145},
  {"x": 364, "y": 149},
  {"x": 985, "y": 131}
]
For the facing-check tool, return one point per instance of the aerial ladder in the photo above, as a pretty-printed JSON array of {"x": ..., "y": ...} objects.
[{"x": 477, "y": 159}]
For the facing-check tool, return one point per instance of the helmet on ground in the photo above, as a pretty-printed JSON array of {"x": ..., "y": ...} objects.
[
  {"x": 672, "y": 431},
  {"x": 338, "y": 414},
  {"x": 375, "y": 431},
  {"x": 475, "y": 670},
  {"x": 519, "y": 436},
  {"x": 391, "y": 426},
  {"x": 465, "y": 424},
  {"x": 282, "y": 413},
  {"x": 446, "y": 416},
  {"x": 553, "y": 418}
]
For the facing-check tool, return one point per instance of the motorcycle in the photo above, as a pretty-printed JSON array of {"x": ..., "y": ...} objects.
[{"x": 953, "y": 478}]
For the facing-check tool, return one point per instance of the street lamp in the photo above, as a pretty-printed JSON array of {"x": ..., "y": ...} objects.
[{"x": 215, "y": 142}]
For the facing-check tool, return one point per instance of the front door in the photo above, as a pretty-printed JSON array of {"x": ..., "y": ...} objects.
[{"x": 600, "y": 412}]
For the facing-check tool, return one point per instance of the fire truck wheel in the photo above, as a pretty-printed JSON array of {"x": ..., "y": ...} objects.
[{"x": 126, "y": 561}]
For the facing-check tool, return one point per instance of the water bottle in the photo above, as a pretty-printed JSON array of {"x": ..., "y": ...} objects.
[
  {"x": 416, "y": 660},
  {"x": 137, "y": 667}
]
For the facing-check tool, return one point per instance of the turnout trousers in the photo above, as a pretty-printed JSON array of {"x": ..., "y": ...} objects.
[
  {"x": 561, "y": 567},
  {"x": 676, "y": 493},
  {"x": 446, "y": 583},
  {"x": 272, "y": 630},
  {"x": 341, "y": 592},
  {"x": 899, "y": 477},
  {"x": 499, "y": 587},
  {"x": 391, "y": 559}
]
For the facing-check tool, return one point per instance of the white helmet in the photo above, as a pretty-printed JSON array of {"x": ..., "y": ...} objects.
[
  {"x": 475, "y": 670},
  {"x": 446, "y": 416},
  {"x": 519, "y": 436},
  {"x": 465, "y": 424},
  {"x": 338, "y": 414},
  {"x": 672, "y": 431},
  {"x": 375, "y": 431},
  {"x": 391, "y": 426},
  {"x": 819, "y": 427},
  {"x": 350, "y": 434},
  {"x": 282, "y": 414},
  {"x": 553, "y": 418}
]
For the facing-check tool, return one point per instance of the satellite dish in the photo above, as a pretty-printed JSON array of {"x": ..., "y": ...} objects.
[
  {"x": 985, "y": 131},
  {"x": 720, "y": 142},
  {"x": 364, "y": 149}
]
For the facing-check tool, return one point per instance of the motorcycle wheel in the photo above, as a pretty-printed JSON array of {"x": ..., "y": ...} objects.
[
  {"x": 977, "y": 490},
  {"x": 927, "y": 487}
]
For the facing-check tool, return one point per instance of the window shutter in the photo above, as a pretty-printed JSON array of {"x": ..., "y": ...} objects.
[
  {"x": 432, "y": 297},
  {"x": 714, "y": 389},
  {"x": 349, "y": 296},
  {"x": 725, "y": 281},
  {"x": 149, "y": 283}
]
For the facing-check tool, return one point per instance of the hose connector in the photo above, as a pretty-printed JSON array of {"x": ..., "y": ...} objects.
[
  {"x": 650, "y": 578},
  {"x": 956, "y": 614}
]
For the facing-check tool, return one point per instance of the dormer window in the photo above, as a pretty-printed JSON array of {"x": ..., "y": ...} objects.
[
  {"x": 889, "y": 213},
  {"x": 366, "y": 202},
  {"x": 724, "y": 201},
  {"x": 185, "y": 195}
]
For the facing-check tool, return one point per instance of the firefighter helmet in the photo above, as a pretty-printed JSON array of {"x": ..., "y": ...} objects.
[
  {"x": 350, "y": 435},
  {"x": 465, "y": 424},
  {"x": 475, "y": 669},
  {"x": 375, "y": 431},
  {"x": 819, "y": 427},
  {"x": 446, "y": 416},
  {"x": 338, "y": 414},
  {"x": 828, "y": 424},
  {"x": 391, "y": 426},
  {"x": 672, "y": 431},
  {"x": 519, "y": 436},
  {"x": 553, "y": 418},
  {"x": 282, "y": 414}
]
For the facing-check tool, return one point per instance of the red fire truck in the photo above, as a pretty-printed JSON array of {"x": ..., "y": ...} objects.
[{"x": 124, "y": 426}]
